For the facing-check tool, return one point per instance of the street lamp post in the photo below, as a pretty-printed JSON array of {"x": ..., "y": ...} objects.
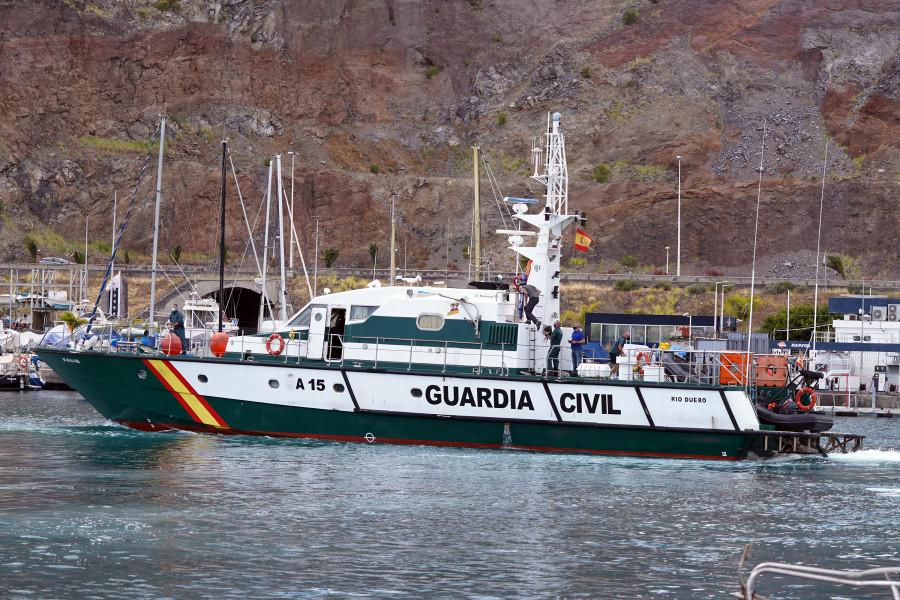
[
  {"x": 667, "y": 260},
  {"x": 293, "y": 237},
  {"x": 722, "y": 314},
  {"x": 316, "y": 264},
  {"x": 716, "y": 307},
  {"x": 678, "y": 259}
]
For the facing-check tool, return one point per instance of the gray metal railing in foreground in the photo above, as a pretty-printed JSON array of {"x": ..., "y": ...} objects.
[{"x": 870, "y": 578}]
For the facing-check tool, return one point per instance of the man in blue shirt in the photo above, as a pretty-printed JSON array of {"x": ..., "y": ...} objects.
[{"x": 577, "y": 343}]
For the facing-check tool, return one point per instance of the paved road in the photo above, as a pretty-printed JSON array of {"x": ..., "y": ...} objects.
[{"x": 384, "y": 274}]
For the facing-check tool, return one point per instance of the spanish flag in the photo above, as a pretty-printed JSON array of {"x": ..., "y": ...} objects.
[{"x": 582, "y": 240}]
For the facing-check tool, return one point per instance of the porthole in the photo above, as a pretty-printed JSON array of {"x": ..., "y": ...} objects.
[
  {"x": 273, "y": 383},
  {"x": 202, "y": 378},
  {"x": 430, "y": 322},
  {"x": 142, "y": 374},
  {"x": 339, "y": 387},
  {"x": 416, "y": 392},
  {"x": 318, "y": 317}
]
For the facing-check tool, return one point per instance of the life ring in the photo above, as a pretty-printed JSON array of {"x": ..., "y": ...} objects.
[
  {"x": 23, "y": 362},
  {"x": 280, "y": 344},
  {"x": 812, "y": 398},
  {"x": 517, "y": 282},
  {"x": 642, "y": 358}
]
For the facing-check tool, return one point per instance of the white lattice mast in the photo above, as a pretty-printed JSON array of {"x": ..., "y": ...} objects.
[{"x": 556, "y": 173}]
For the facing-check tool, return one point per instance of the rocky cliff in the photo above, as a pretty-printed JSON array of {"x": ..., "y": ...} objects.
[{"x": 382, "y": 98}]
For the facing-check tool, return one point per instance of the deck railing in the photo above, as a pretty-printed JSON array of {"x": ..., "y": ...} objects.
[{"x": 689, "y": 366}]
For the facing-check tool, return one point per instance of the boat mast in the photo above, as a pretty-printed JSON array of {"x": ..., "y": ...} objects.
[
  {"x": 162, "y": 140},
  {"x": 265, "y": 254},
  {"x": 818, "y": 249},
  {"x": 84, "y": 289},
  {"x": 222, "y": 241},
  {"x": 393, "y": 236},
  {"x": 549, "y": 155},
  {"x": 112, "y": 259},
  {"x": 477, "y": 235},
  {"x": 281, "y": 234}
]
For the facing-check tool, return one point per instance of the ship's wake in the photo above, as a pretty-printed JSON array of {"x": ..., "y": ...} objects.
[{"x": 868, "y": 456}]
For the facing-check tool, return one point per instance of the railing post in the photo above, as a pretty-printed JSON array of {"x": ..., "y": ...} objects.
[
  {"x": 412, "y": 342},
  {"x": 446, "y": 346}
]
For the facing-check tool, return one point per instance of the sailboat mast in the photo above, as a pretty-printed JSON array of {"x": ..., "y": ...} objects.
[
  {"x": 222, "y": 240},
  {"x": 265, "y": 265},
  {"x": 477, "y": 220},
  {"x": 393, "y": 232},
  {"x": 281, "y": 234},
  {"x": 162, "y": 141},
  {"x": 84, "y": 289},
  {"x": 112, "y": 259}
]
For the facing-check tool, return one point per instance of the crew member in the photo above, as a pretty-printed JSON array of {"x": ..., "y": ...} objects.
[
  {"x": 533, "y": 298},
  {"x": 555, "y": 338},
  {"x": 617, "y": 350},
  {"x": 577, "y": 343},
  {"x": 176, "y": 320}
]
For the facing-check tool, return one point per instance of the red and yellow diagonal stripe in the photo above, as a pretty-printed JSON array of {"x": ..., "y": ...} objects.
[{"x": 195, "y": 404}]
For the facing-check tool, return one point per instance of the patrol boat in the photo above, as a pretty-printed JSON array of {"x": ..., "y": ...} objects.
[{"x": 431, "y": 365}]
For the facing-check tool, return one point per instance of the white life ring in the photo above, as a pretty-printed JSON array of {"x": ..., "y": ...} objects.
[{"x": 23, "y": 362}]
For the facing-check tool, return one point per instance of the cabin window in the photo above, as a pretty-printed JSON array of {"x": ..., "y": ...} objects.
[
  {"x": 430, "y": 322},
  {"x": 361, "y": 313},
  {"x": 302, "y": 320}
]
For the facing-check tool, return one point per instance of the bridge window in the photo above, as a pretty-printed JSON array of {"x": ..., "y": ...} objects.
[
  {"x": 430, "y": 322},
  {"x": 302, "y": 320},
  {"x": 361, "y": 313}
]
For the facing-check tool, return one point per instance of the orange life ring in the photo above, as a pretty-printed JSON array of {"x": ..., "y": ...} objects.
[
  {"x": 642, "y": 356},
  {"x": 275, "y": 338},
  {"x": 812, "y": 398},
  {"x": 23, "y": 362}
]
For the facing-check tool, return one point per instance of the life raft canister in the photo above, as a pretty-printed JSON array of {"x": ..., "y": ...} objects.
[
  {"x": 277, "y": 341},
  {"x": 809, "y": 393}
]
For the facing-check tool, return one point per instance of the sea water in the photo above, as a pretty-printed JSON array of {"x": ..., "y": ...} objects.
[{"x": 90, "y": 509}]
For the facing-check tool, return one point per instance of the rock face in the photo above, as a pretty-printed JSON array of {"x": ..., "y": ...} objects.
[{"x": 383, "y": 99}]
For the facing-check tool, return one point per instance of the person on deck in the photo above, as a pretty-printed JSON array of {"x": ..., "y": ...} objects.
[
  {"x": 555, "y": 337},
  {"x": 176, "y": 320},
  {"x": 533, "y": 295},
  {"x": 577, "y": 343},
  {"x": 617, "y": 350}
]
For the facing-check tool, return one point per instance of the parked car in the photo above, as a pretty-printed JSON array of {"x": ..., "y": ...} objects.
[{"x": 54, "y": 260}]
